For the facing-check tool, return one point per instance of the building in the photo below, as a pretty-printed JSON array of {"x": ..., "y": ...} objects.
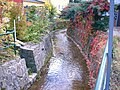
[{"x": 59, "y": 4}]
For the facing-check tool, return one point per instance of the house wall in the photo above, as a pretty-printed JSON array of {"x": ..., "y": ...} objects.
[
  {"x": 32, "y": 4},
  {"x": 59, "y": 4}
]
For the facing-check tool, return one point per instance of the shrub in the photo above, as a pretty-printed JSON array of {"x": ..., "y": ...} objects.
[
  {"x": 99, "y": 10},
  {"x": 96, "y": 9},
  {"x": 87, "y": 30},
  {"x": 59, "y": 24},
  {"x": 14, "y": 11},
  {"x": 52, "y": 11},
  {"x": 10, "y": 12},
  {"x": 38, "y": 18},
  {"x": 73, "y": 8}
]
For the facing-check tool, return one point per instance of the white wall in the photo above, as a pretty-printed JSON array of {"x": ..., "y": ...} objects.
[{"x": 59, "y": 4}]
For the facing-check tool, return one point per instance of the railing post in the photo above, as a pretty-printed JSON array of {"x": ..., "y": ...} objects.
[
  {"x": 15, "y": 30},
  {"x": 14, "y": 36},
  {"x": 101, "y": 79},
  {"x": 110, "y": 43}
]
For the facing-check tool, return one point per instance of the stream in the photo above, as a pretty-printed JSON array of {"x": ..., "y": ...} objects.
[{"x": 66, "y": 69}]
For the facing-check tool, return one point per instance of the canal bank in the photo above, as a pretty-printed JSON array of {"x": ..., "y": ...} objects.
[
  {"x": 22, "y": 72},
  {"x": 66, "y": 69}
]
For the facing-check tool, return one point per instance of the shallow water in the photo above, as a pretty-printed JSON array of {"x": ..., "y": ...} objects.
[{"x": 66, "y": 70}]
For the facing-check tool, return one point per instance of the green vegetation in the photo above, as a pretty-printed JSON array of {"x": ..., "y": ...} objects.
[
  {"x": 73, "y": 8},
  {"x": 116, "y": 48},
  {"x": 97, "y": 11},
  {"x": 116, "y": 6},
  {"x": 59, "y": 24},
  {"x": 30, "y": 71},
  {"x": 31, "y": 24},
  {"x": 12, "y": 11},
  {"x": 3, "y": 89},
  {"x": 37, "y": 23},
  {"x": 86, "y": 27},
  {"x": 51, "y": 10},
  {"x": 115, "y": 84},
  {"x": 6, "y": 55},
  {"x": 38, "y": 19}
]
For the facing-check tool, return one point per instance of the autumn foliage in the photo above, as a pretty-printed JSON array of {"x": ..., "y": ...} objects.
[{"x": 87, "y": 30}]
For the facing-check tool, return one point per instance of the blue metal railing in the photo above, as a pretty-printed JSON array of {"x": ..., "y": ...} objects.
[
  {"x": 13, "y": 32},
  {"x": 101, "y": 81}
]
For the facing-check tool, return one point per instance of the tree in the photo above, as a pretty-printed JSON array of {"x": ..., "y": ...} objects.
[
  {"x": 77, "y": 1},
  {"x": 70, "y": 0}
]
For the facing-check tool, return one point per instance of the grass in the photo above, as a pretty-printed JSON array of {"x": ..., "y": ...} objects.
[
  {"x": 7, "y": 55},
  {"x": 115, "y": 84}
]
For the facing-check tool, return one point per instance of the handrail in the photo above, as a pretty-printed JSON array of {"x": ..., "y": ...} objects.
[
  {"x": 101, "y": 80},
  {"x": 14, "y": 36},
  {"x": 7, "y": 33}
]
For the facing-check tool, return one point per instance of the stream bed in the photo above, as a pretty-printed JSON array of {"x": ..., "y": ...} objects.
[{"x": 66, "y": 69}]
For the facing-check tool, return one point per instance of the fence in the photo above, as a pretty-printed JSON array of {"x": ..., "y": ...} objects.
[
  {"x": 105, "y": 68},
  {"x": 101, "y": 81},
  {"x": 8, "y": 32}
]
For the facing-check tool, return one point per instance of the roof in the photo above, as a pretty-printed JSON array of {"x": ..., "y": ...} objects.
[{"x": 40, "y": 1}]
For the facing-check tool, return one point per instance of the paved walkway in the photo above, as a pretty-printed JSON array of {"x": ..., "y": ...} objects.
[{"x": 67, "y": 69}]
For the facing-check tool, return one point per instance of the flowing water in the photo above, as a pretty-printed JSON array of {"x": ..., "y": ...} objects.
[{"x": 66, "y": 69}]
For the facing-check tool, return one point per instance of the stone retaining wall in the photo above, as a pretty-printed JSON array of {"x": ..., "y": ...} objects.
[
  {"x": 14, "y": 75},
  {"x": 36, "y": 54}
]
